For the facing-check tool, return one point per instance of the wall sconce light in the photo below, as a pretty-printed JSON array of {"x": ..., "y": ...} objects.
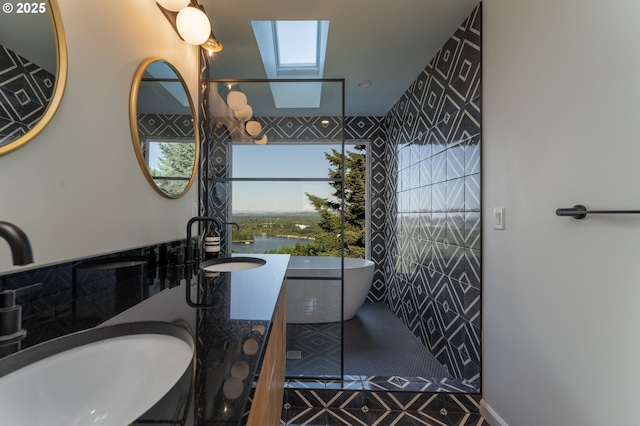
[
  {"x": 237, "y": 102},
  {"x": 193, "y": 25},
  {"x": 191, "y": 22}
]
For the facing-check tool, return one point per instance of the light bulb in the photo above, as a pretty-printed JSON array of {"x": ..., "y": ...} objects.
[
  {"x": 173, "y": 5},
  {"x": 261, "y": 141},
  {"x": 244, "y": 114},
  {"x": 193, "y": 25},
  {"x": 236, "y": 100},
  {"x": 253, "y": 127}
]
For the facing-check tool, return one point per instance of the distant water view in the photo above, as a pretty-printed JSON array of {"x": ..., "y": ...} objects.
[{"x": 264, "y": 243}]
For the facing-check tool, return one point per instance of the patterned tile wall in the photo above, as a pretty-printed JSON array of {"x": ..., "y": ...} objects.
[
  {"x": 26, "y": 90},
  {"x": 163, "y": 125},
  {"x": 433, "y": 198}
]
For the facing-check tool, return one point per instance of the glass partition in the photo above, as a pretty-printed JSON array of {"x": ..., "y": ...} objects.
[{"x": 279, "y": 174}]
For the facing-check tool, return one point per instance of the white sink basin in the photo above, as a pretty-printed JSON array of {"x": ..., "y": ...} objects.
[
  {"x": 102, "y": 376},
  {"x": 231, "y": 264}
]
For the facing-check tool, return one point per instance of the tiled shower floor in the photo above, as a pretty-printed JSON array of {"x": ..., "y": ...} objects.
[
  {"x": 376, "y": 343},
  {"x": 379, "y": 387}
]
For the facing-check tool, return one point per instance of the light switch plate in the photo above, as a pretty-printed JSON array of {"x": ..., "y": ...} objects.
[{"x": 498, "y": 218}]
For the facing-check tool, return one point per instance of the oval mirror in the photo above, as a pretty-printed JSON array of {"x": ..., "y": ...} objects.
[
  {"x": 33, "y": 70},
  {"x": 163, "y": 128}
]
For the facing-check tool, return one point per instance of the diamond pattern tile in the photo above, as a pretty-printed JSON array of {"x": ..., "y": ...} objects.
[
  {"x": 26, "y": 90},
  {"x": 418, "y": 406},
  {"x": 440, "y": 304}
]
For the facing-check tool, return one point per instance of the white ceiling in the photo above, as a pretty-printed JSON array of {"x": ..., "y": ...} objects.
[{"x": 388, "y": 43}]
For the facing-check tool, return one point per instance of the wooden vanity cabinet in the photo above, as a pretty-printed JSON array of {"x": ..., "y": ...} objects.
[{"x": 266, "y": 407}]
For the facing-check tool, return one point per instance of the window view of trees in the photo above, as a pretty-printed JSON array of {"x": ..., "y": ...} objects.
[
  {"x": 173, "y": 166},
  {"x": 319, "y": 233}
]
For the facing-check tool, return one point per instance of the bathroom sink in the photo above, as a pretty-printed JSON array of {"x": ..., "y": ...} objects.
[
  {"x": 105, "y": 376},
  {"x": 230, "y": 264}
]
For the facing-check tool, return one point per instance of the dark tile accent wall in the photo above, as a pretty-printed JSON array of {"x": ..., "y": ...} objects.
[
  {"x": 433, "y": 196},
  {"x": 163, "y": 126},
  {"x": 27, "y": 88},
  {"x": 218, "y": 193},
  {"x": 301, "y": 128},
  {"x": 203, "y": 114}
]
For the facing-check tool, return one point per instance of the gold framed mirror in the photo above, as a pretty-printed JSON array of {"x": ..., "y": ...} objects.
[
  {"x": 164, "y": 129},
  {"x": 33, "y": 70}
]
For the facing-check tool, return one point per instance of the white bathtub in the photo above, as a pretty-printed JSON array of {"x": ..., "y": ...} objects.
[{"x": 319, "y": 300}]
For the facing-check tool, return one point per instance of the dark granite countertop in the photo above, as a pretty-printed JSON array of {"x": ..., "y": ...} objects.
[{"x": 229, "y": 314}]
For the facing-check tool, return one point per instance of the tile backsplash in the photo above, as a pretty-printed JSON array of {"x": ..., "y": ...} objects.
[{"x": 69, "y": 298}]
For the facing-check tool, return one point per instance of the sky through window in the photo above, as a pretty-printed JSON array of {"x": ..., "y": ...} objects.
[{"x": 297, "y": 43}]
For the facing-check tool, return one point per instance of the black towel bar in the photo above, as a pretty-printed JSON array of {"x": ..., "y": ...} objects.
[{"x": 580, "y": 212}]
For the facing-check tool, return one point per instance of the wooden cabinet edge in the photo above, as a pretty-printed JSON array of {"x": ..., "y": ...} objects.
[{"x": 266, "y": 408}]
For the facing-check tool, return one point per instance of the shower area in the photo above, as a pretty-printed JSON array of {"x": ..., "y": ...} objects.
[
  {"x": 414, "y": 346},
  {"x": 301, "y": 174},
  {"x": 291, "y": 178},
  {"x": 278, "y": 171}
]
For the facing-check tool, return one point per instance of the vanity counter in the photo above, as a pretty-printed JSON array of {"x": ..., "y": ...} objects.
[{"x": 230, "y": 314}]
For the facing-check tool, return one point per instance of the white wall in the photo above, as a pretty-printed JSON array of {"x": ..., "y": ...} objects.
[
  {"x": 77, "y": 189},
  {"x": 561, "y": 101}
]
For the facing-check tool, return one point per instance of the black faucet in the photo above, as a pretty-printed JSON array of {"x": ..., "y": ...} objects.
[
  {"x": 189, "y": 248},
  {"x": 234, "y": 224},
  {"x": 19, "y": 243}
]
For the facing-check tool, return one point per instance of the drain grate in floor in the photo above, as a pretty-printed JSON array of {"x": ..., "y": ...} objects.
[{"x": 294, "y": 355}]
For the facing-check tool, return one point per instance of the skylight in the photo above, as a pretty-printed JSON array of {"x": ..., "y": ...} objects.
[
  {"x": 293, "y": 49},
  {"x": 296, "y": 46}
]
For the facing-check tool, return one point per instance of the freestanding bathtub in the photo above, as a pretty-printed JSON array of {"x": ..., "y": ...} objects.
[{"x": 314, "y": 289}]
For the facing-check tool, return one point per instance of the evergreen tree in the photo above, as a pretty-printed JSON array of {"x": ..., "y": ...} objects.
[
  {"x": 328, "y": 243},
  {"x": 176, "y": 161}
]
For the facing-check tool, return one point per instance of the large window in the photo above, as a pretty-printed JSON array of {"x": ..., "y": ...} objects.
[{"x": 287, "y": 198}]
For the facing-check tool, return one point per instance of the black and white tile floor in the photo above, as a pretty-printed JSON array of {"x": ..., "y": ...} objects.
[{"x": 332, "y": 403}]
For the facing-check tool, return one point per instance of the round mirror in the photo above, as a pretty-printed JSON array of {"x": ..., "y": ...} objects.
[
  {"x": 33, "y": 70},
  {"x": 163, "y": 127}
]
